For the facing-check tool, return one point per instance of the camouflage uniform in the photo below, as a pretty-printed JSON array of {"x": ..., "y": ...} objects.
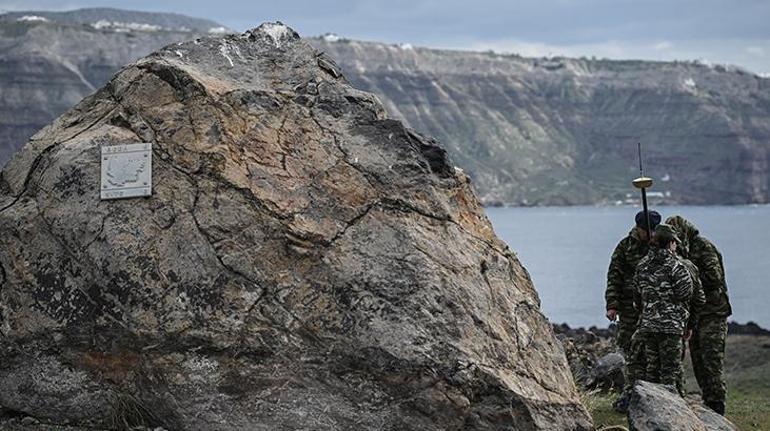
[
  {"x": 636, "y": 364},
  {"x": 663, "y": 292},
  {"x": 698, "y": 300},
  {"x": 707, "y": 345},
  {"x": 619, "y": 294}
]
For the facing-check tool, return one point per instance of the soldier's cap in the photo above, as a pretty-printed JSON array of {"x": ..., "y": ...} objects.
[
  {"x": 641, "y": 221},
  {"x": 666, "y": 232}
]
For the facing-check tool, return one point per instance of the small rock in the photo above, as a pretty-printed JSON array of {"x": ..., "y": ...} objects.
[
  {"x": 713, "y": 421},
  {"x": 28, "y": 420},
  {"x": 657, "y": 407},
  {"x": 608, "y": 372}
]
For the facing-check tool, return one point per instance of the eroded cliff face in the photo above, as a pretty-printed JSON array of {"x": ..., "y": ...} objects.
[
  {"x": 564, "y": 131},
  {"x": 304, "y": 262},
  {"x": 50, "y": 61}
]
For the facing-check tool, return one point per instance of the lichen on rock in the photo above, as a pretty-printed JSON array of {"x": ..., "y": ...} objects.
[{"x": 304, "y": 262}]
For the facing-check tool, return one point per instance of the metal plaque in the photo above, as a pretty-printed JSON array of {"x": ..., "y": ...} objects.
[{"x": 126, "y": 171}]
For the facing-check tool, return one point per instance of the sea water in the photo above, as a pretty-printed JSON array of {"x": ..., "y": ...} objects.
[{"x": 567, "y": 251}]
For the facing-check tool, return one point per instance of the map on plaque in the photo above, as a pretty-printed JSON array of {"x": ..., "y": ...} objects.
[{"x": 126, "y": 171}]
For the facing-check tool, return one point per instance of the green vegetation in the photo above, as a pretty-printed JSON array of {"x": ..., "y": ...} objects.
[
  {"x": 600, "y": 406},
  {"x": 747, "y": 367}
]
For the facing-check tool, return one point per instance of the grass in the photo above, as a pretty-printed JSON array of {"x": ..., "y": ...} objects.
[
  {"x": 747, "y": 371},
  {"x": 600, "y": 407}
]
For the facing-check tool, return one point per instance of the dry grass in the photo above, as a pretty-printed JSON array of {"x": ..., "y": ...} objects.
[{"x": 130, "y": 413}]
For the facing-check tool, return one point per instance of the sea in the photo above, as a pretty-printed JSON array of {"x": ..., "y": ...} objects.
[{"x": 567, "y": 251}]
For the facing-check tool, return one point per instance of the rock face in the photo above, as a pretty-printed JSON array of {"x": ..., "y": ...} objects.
[
  {"x": 304, "y": 262},
  {"x": 49, "y": 61},
  {"x": 654, "y": 407}
]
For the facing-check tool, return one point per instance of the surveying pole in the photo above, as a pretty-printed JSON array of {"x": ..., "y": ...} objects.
[{"x": 643, "y": 183}]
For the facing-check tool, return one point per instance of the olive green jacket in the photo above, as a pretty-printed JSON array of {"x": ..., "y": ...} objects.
[
  {"x": 705, "y": 255},
  {"x": 620, "y": 275},
  {"x": 698, "y": 299}
]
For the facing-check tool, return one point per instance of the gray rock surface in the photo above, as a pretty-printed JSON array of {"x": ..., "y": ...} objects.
[
  {"x": 711, "y": 419},
  {"x": 304, "y": 262},
  {"x": 655, "y": 407},
  {"x": 608, "y": 372}
]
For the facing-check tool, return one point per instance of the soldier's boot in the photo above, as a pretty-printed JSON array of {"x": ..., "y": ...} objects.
[{"x": 717, "y": 406}]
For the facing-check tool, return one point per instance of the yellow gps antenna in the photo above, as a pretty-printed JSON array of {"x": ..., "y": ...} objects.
[{"x": 643, "y": 183}]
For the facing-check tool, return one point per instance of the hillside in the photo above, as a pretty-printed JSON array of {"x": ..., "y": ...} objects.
[
  {"x": 49, "y": 61},
  {"x": 528, "y": 131},
  {"x": 564, "y": 131},
  {"x": 119, "y": 18}
]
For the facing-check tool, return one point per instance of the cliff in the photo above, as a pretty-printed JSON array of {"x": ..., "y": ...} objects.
[
  {"x": 536, "y": 131},
  {"x": 49, "y": 61}
]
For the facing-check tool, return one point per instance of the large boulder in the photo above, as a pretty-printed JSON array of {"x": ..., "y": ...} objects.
[
  {"x": 655, "y": 407},
  {"x": 303, "y": 262}
]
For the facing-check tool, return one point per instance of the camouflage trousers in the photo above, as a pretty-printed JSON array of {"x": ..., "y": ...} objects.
[
  {"x": 623, "y": 339},
  {"x": 636, "y": 366},
  {"x": 626, "y": 328},
  {"x": 707, "y": 350},
  {"x": 663, "y": 357}
]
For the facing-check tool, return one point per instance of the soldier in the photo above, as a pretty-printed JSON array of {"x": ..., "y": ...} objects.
[
  {"x": 707, "y": 345},
  {"x": 663, "y": 290},
  {"x": 636, "y": 365},
  {"x": 619, "y": 294},
  {"x": 619, "y": 298}
]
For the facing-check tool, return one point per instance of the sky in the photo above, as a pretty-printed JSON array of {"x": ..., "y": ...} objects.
[{"x": 733, "y": 32}]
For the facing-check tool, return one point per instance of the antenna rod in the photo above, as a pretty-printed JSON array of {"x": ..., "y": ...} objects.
[{"x": 644, "y": 193}]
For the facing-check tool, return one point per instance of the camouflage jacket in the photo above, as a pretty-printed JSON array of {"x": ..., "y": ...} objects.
[
  {"x": 663, "y": 289},
  {"x": 705, "y": 255},
  {"x": 620, "y": 293},
  {"x": 698, "y": 299}
]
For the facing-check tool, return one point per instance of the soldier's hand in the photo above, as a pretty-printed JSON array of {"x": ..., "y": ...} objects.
[
  {"x": 687, "y": 335},
  {"x": 612, "y": 314}
]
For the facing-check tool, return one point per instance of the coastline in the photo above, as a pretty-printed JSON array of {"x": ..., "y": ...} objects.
[{"x": 593, "y": 332}]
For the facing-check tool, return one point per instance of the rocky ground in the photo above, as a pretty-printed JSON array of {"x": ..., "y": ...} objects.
[{"x": 747, "y": 369}]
